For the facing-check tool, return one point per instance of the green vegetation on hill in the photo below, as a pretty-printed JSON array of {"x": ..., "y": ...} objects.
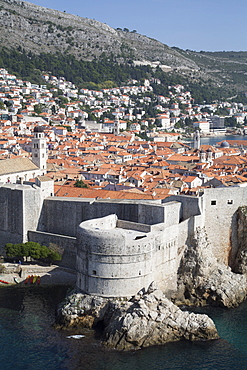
[
  {"x": 102, "y": 73},
  {"x": 106, "y": 72}
]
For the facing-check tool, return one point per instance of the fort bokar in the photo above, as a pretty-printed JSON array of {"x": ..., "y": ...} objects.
[
  {"x": 118, "y": 247},
  {"x": 124, "y": 249}
]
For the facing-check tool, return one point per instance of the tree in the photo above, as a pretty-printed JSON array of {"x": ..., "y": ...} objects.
[
  {"x": 53, "y": 256},
  {"x": 230, "y": 121},
  {"x": 80, "y": 184},
  {"x": 38, "y": 108},
  {"x": 33, "y": 250},
  {"x": 13, "y": 250}
]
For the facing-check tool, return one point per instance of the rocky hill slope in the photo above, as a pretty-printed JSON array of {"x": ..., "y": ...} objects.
[{"x": 41, "y": 29}]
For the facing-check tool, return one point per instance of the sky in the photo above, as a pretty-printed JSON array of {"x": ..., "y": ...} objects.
[{"x": 209, "y": 25}]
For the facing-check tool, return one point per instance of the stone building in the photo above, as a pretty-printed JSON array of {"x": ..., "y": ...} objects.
[
  {"x": 23, "y": 169},
  {"x": 39, "y": 149},
  {"x": 119, "y": 247}
]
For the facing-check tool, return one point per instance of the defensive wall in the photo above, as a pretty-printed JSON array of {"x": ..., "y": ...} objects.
[
  {"x": 116, "y": 257},
  {"x": 145, "y": 242}
]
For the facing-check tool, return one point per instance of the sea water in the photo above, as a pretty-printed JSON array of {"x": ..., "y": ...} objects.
[
  {"x": 214, "y": 140},
  {"x": 29, "y": 341}
]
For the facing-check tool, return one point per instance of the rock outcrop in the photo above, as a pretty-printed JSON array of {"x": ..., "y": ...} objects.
[
  {"x": 240, "y": 264},
  {"x": 203, "y": 280},
  {"x": 147, "y": 319}
]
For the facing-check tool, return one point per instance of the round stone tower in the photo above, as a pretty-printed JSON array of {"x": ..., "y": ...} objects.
[{"x": 112, "y": 261}]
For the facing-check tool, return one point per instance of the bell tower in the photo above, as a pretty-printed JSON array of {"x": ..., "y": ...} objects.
[
  {"x": 116, "y": 126},
  {"x": 39, "y": 150},
  {"x": 196, "y": 140}
]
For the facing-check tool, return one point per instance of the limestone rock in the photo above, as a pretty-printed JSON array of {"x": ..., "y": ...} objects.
[
  {"x": 240, "y": 264},
  {"x": 82, "y": 310},
  {"x": 145, "y": 320},
  {"x": 137, "y": 324},
  {"x": 202, "y": 280}
]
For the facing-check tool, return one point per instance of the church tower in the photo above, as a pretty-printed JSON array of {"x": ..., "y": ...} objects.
[
  {"x": 39, "y": 150},
  {"x": 197, "y": 140},
  {"x": 116, "y": 126}
]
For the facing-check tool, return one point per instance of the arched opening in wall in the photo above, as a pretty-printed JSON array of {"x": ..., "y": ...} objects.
[
  {"x": 140, "y": 272},
  {"x": 94, "y": 272}
]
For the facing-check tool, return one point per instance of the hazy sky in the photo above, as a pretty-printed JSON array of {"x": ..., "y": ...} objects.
[{"x": 208, "y": 25}]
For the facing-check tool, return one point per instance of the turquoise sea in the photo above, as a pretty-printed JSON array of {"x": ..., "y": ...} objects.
[
  {"x": 29, "y": 341},
  {"x": 213, "y": 140}
]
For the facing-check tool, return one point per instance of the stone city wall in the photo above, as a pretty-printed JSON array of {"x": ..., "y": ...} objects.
[
  {"x": 63, "y": 215},
  {"x": 220, "y": 207}
]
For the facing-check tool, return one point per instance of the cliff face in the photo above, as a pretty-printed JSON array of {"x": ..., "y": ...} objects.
[
  {"x": 203, "y": 280},
  {"x": 241, "y": 258},
  {"x": 39, "y": 29}
]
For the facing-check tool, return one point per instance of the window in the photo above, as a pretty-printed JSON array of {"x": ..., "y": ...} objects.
[
  {"x": 230, "y": 201},
  {"x": 213, "y": 202},
  {"x": 94, "y": 272}
]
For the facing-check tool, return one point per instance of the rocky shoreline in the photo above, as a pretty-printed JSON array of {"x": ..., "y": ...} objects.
[{"x": 147, "y": 319}]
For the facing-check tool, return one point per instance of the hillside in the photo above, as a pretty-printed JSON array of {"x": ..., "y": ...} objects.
[{"x": 39, "y": 30}]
